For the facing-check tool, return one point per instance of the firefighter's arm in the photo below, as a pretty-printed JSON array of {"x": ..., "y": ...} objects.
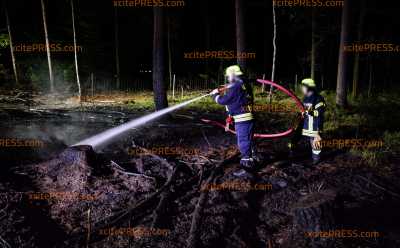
[
  {"x": 317, "y": 113},
  {"x": 318, "y": 109},
  {"x": 225, "y": 99}
]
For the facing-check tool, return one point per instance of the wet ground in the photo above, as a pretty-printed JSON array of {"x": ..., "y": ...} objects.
[{"x": 176, "y": 200}]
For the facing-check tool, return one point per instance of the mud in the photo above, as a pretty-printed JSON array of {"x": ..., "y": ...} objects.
[
  {"x": 80, "y": 187},
  {"x": 79, "y": 198}
]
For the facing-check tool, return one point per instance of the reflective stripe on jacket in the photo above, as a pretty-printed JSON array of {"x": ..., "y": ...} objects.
[
  {"x": 237, "y": 101},
  {"x": 314, "y": 119}
]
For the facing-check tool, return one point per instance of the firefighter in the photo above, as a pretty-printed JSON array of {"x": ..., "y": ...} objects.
[
  {"x": 312, "y": 124},
  {"x": 238, "y": 100}
]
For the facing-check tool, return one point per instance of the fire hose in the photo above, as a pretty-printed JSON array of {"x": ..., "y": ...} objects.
[{"x": 270, "y": 136}]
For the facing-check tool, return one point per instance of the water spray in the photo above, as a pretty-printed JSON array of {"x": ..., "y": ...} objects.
[{"x": 112, "y": 134}]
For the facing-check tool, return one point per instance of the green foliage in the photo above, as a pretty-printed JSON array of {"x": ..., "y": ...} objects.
[
  {"x": 36, "y": 72},
  {"x": 391, "y": 142},
  {"x": 373, "y": 118},
  {"x": 4, "y": 41},
  {"x": 369, "y": 157},
  {"x": 380, "y": 156}
]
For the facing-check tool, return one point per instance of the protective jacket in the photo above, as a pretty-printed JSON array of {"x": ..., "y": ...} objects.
[
  {"x": 314, "y": 116},
  {"x": 238, "y": 100}
]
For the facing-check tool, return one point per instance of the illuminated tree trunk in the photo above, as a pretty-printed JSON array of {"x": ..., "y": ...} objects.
[
  {"x": 169, "y": 52},
  {"x": 11, "y": 44},
  {"x": 240, "y": 33},
  {"x": 47, "y": 46},
  {"x": 356, "y": 67},
  {"x": 76, "y": 53},
  {"x": 341, "y": 86},
  {"x": 274, "y": 53},
  {"x": 160, "y": 93},
  {"x": 313, "y": 44}
]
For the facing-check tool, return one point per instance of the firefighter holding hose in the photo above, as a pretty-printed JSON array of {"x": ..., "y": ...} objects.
[
  {"x": 238, "y": 100},
  {"x": 313, "y": 121}
]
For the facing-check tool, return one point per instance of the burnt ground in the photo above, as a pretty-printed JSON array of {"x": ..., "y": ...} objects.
[{"x": 167, "y": 200}]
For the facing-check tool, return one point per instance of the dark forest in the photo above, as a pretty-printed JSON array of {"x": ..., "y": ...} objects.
[{"x": 198, "y": 123}]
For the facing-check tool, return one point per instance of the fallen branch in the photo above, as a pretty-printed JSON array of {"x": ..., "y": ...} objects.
[
  {"x": 163, "y": 199},
  {"x": 192, "y": 240},
  {"x": 205, "y": 137},
  {"x": 4, "y": 243},
  {"x": 380, "y": 187},
  {"x": 123, "y": 171}
]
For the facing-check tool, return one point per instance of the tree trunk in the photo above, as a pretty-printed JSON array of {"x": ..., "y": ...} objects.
[
  {"x": 370, "y": 76},
  {"x": 169, "y": 53},
  {"x": 274, "y": 53},
  {"x": 76, "y": 53},
  {"x": 356, "y": 67},
  {"x": 11, "y": 43},
  {"x": 313, "y": 43},
  {"x": 47, "y": 47},
  {"x": 160, "y": 94},
  {"x": 314, "y": 213},
  {"x": 116, "y": 34},
  {"x": 341, "y": 86},
  {"x": 206, "y": 23},
  {"x": 240, "y": 33}
]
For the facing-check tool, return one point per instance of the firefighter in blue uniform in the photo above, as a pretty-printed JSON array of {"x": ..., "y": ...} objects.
[
  {"x": 238, "y": 100},
  {"x": 313, "y": 122}
]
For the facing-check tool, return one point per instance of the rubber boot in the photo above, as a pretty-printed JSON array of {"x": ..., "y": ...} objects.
[
  {"x": 316, "y": 159},
  {"x": 247, "y": 167}
]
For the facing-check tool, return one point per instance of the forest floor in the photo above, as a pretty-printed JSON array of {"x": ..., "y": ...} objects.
[{"x": 170, "y": 183}]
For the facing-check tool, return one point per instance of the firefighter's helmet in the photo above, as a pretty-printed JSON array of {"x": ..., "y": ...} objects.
[
  {"x": 233, "y": 70},
  {"x": 309, "y": 82}
]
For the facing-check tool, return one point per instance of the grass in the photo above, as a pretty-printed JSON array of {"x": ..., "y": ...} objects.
[{"x": 373, "y": 118}]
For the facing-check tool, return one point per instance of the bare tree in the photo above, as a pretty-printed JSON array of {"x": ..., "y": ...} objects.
[
  {"x": 240, "y": 33},
  {"x": 274, "y": 53},
  {"x": 75, "y": 52},
  {"x": 47, "y": 46},
  {"x": 169, "y": 52},
  {"x": 11, "y": 43},
  {"x": 341, "y": 86},
  {"x": 356, "y": 67},
  {"x": 160, "y": 93}
]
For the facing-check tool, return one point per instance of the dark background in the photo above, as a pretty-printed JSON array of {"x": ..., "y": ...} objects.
[{"x": 200, "y": 26}]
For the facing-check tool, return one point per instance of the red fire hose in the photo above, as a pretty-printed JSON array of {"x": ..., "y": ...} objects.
[{"x": 258, "y": 135}]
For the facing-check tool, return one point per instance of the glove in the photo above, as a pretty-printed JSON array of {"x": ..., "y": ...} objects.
[
  {"x": 214, "y": 92},
  {"x": 317, "y": 142},
  {"x": 313, "y": 113},
  {"x": 307, "y": 112},
  {"x": 228, "y": 122}
]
